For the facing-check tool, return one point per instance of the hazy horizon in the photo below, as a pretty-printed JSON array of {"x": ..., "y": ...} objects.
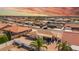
[{"x": 40, "y": 11}]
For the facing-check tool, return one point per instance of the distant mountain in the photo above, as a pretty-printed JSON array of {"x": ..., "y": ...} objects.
[{"x": 41, "y": 11}]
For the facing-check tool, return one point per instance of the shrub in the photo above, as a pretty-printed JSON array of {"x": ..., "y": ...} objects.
[
  {"x": 3, "y": 39},
  {"x": 8, "y": 34}
]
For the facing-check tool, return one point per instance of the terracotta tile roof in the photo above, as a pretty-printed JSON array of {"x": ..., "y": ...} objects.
[
  {"x": 3, "y": 25},
  {"x": 14, "y": 28},
  {"x": 71, "y": 37},
  {"x": 72, "y": 25},
  {"x": 17, "y": 29}
]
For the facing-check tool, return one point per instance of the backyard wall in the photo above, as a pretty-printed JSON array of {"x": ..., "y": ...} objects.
[{"x": 6, "y": 44}]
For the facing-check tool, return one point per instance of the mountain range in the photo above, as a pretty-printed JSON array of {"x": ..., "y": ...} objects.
[{"x": 39, "y": 11}]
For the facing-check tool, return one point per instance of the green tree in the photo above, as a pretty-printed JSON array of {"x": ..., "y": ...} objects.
[
  {"x": 3, "y": 39},
  {"x": 8, "y": 34},
  {"x": 38, "y": 44},
  {"x": 63, "y": 46}
]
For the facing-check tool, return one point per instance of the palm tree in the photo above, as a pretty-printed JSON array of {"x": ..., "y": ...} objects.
[
  {"x": 38, "y": 44},
  {"x": 63, "y": 46}
]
